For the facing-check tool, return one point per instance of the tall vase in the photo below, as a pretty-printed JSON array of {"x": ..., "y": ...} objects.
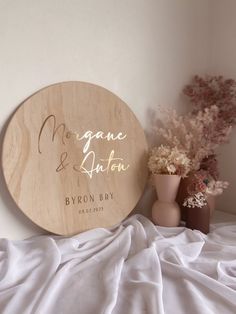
[
  {"x": 198, "y": 218},
  {"x": 165, "y": 211},
  {"x": 182, "y": 194}
]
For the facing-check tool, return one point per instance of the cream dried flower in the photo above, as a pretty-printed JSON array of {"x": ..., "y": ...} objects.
[
  {"x": 197, "y": 200},
  {"x": 216, "y": 187},
  {"x": 167, "y": 160}
]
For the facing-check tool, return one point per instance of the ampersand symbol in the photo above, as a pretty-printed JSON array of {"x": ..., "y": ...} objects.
[{"x": 62, "y": 164}]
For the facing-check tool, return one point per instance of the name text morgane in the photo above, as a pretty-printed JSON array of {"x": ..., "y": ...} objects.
[{"x": 90, "y": 164}]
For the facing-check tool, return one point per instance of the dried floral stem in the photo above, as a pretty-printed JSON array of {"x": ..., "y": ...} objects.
[{"x": 197, "y": 135}]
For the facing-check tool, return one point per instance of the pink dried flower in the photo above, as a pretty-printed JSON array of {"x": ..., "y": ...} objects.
[
  {"x": 198, "y": 182},
  {"x": 202, "y": 182},
  {"x": 197, "y": 135},
  {"x": 206, "y": 93},
  {"x": 210, "y": 164},
  {"x": 214, "y": 90}
]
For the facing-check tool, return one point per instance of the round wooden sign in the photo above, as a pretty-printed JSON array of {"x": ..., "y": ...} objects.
[{"x": 74, "y": 158}]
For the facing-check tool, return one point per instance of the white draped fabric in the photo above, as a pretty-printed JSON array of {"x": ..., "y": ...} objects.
[{"x": 133, "y": 268}]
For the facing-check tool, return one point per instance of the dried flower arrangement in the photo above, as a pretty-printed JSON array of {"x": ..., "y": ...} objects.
[
  {"x": 209, "y": 92},
  {"x": 167, "y": 160},
  {"x": 214, "y": 90},
  {"x": 196, "y": 134},
  {"x": 202, "y": 184},
  {"x": 199, "y": 133}
]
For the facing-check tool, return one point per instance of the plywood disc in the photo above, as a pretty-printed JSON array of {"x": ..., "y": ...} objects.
[{"x": 74, "y": 158}]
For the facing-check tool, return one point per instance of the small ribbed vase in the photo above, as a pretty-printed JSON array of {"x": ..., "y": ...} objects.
[{"x": 165, "y": 211}]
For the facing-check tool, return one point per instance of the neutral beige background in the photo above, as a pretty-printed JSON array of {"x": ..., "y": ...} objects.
[
  {"x": 222, "y": 60},
  {"x": 142, "y": 50}
]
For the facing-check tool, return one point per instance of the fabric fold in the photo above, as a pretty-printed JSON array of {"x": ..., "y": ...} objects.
[{"x": 132, "y": 268}]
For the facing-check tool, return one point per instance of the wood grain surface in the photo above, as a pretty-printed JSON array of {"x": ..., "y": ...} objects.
[{"x": 74, "y": 158}]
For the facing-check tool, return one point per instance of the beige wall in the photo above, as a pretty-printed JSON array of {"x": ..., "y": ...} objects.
[
  {"x": 222, "y": 60},
  {"x": 142, "y": 50}
]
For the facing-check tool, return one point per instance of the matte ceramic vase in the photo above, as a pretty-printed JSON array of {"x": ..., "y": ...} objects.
[
  {"x": 165, "y": 211},
  {"x": 198, "y": 218},
  {"x": 182, "y": 194}
]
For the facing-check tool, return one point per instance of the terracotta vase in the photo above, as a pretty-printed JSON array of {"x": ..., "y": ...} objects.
[
  {"x": 198, "y": 218},
  {"x": 182, "y": 194},
  {"x": 165, "y": 211}
]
